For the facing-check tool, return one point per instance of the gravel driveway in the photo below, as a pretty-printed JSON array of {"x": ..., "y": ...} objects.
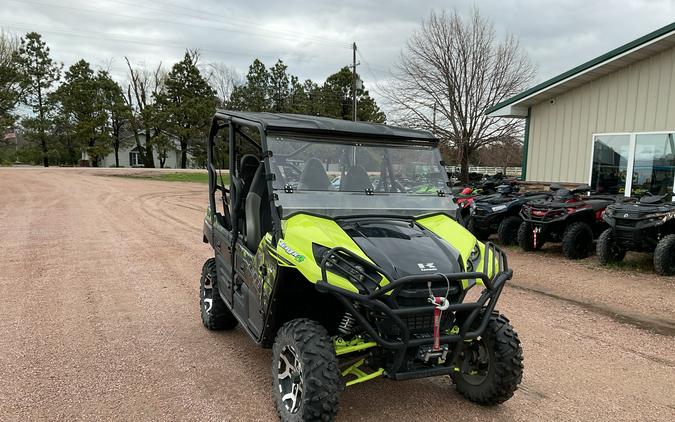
[{"x": 99, "y": 319}]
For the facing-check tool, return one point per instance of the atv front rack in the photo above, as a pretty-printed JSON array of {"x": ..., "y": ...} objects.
[{"x": 372, "y": 296}]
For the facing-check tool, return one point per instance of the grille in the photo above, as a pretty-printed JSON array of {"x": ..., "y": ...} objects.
[{"x": 626, "y": 223}]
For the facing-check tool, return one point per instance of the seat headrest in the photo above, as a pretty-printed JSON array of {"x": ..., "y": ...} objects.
[
  {"x": 356, "y": 180},
  {"x": 247, "y": 166},
  {"x": 314, "y": 176}
]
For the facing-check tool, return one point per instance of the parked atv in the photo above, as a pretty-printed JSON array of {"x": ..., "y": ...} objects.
[
  {"x": 352, "y": 282},
  {"x": 500, "y": 213},
  {"x": 567, "y": 217},
  {"x": 466, "y": 197},
  {"x": 645, "y": 226}
]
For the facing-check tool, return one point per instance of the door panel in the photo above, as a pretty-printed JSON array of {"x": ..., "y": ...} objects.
[
  {"x": 247, "y": 290},
  {"x": 221, "y": 243}
]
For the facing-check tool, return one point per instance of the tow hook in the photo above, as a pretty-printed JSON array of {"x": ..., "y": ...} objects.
[{"x": 535, "y": 232}]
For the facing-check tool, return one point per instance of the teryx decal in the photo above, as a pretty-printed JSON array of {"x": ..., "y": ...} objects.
[{"x": 291, "y": 252}]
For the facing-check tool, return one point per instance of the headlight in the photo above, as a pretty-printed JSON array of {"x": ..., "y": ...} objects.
[
  {"x": 609, "y": 212},
  {"x": 498, "y": 208},
  {"x": 346, "y": 268},
  {"x": 473, "y": 258}
]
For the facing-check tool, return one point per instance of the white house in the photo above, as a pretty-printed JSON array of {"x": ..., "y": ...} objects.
[{"x": 129, "y": 156}]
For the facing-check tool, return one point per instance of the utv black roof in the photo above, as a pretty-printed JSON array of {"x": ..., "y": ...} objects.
[{"x": 303, "y": 124}]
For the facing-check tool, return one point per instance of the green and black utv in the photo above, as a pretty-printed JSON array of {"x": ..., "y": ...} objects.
[{"x": 323, "y": 255}]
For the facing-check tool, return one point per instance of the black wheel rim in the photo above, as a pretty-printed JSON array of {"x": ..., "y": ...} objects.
[
  {"x": 207, "y": 295},
  {"x": 476, "y": 362},
  {"x": 289, "y": 378}
]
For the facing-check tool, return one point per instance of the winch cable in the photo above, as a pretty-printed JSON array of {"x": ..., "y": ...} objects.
[{"x": 440, "y": 304}]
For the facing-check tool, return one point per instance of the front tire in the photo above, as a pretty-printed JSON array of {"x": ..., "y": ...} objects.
[
  {"x": 664, "y": 256},
  {"x": 491, "y": 367},
  {"x": 577, "y": 242},
  {"x": 508, "y": 230},
  {"x": 305, "y": 377},
  {"x": 479, "y": 233},
  {"x": 215, "y": 314},
  {"x": 525, "y": 238},
  {"x": 607, "y": 249}
]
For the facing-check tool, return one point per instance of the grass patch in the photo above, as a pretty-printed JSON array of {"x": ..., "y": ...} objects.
[{"x": 178, "y": 177}]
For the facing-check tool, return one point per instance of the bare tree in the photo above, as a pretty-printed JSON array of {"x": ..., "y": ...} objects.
[
  {"x": 451, "y": 71},
  {"x": 144, "y": 85},
  {"x": 223, "y": 79},
  {"x": 505, "y": 153}
]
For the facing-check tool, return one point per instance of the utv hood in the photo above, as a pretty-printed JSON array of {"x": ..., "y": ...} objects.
[{"x": 403, "y": 248}]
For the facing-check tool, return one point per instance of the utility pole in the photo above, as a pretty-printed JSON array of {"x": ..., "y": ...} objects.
[
  {"x": 434, "y": 124},
  {"x": 354, "y": 64}
]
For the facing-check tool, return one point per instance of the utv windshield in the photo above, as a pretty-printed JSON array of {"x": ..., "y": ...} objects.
[{"x": 341, "y": 178}]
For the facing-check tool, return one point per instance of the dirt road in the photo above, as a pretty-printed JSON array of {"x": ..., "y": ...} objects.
[{"x": 99, "y": 320}]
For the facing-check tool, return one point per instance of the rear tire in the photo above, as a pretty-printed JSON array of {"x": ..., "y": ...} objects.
[
  {"x": 577, "y": 242},
  {"x": 305, "y": 377},
  {"x": 496, "y": 358},
  {"x": 508, "y": 230},
  {"x": 607, "y": 249},
  {"x": 525, "y": 239},
  {"x": 215, "y": 314},
  {"x": 664, "y": 256}
]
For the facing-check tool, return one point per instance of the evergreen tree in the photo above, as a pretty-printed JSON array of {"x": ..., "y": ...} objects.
[
  {"x": 10, "y": 81},
  {"x": 38, "y": 73},
  {"x": 119, "y": 113},
  {"x": 338, "y": 99},
  {"x": 254, "y": 94},
  {"x": 81, "y": 101},
  {"x": 187, "y": 104}
]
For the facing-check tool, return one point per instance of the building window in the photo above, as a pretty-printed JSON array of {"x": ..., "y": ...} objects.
[
  {"x": 654, "y": 164},
  {"x": 610, "y": 163},
  {"x": 134, "y": 159},
  {"x": 633, "y": 163}
]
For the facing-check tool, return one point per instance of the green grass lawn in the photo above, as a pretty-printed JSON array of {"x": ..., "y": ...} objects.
[{"x": 178, "y": 177}]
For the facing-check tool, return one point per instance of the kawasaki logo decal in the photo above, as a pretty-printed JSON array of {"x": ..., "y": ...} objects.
[
  {"x": 427, "y": 267},
  {"x": 291, "y": 252}
]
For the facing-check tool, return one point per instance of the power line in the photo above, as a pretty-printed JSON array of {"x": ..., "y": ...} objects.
[
  {"x": 147, "y": 41},
  {"x": 150, "y": 19},
  {"x": 370, "y": 68},
  {"x": 201, "y": 14}
]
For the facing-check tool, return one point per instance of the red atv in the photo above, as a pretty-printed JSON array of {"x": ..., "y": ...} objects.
[{"x": 568, "y": 217}]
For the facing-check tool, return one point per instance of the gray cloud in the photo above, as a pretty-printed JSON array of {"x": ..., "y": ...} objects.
[{"x": 313, "y": 37}]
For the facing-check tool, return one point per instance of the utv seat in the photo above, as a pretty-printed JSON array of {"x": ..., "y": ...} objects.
[
  {"x": 356, "y": 180},
  {"x": 314, "y": 176},
  {"x": 248, "y": 165},
  {"x": 257, "y": 210}
]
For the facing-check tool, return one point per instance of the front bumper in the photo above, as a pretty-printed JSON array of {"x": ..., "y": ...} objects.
[{"x": 470, "y": 318}]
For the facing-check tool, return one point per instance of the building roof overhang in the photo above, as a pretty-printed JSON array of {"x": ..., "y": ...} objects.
[{"x": 625, "y": 55}]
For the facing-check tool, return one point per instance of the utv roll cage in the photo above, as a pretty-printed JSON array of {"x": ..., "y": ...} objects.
[{"x": 262, "y": 124}]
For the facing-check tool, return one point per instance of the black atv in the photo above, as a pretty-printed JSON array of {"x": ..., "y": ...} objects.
[
  {"x": 464, "y": 198},
  {"x": 566, "y": 216},
  {"x": 646, "y": 226},
  {"x": 500, "y": 213}
]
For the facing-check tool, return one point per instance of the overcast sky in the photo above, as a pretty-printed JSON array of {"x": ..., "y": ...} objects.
[{"x": 314, "y": 37}]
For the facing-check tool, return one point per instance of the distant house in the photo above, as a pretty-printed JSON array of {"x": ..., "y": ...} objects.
[
  {"x": 609, "y": 122},
  {"x": 130, "y": 156}
]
